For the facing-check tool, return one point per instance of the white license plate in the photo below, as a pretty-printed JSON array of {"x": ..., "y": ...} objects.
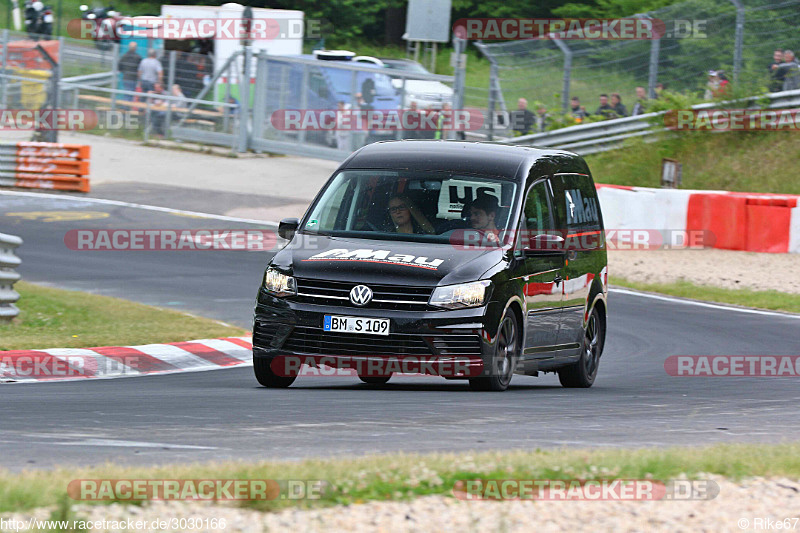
[{"x": 356, "y": 324}]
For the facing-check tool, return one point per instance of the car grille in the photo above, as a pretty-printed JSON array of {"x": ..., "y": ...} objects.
[
  {"x": 337, "y": 293},
  {"x": 317, "y": 342}
]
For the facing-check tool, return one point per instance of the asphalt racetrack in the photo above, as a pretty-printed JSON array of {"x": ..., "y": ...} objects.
[{"x": 224, "y": 414}]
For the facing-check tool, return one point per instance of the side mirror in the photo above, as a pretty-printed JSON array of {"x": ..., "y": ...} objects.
[
  {"x": 288, "y": 227},
  {"x": 545, "y": 245}
]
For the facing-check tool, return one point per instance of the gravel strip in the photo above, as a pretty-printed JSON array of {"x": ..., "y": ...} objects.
[
  {"x": 751, "y": 499},
  {"x": 718, "y": 268}
]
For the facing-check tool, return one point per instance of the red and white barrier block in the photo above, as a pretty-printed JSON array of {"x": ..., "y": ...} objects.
[
  {"x": 752, "y": 222},
  {"x": 56, "y": 364}
]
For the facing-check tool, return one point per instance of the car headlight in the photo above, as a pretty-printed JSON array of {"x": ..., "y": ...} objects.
[
  {"x": 279, "y": 284},
  {"x": 461, "y": 296}
]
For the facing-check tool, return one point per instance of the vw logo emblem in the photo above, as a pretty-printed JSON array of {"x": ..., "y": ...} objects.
[{"x": 360, "y": 295}]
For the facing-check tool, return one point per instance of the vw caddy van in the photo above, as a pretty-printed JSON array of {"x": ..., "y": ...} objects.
[{"x": 474, "y": 261}]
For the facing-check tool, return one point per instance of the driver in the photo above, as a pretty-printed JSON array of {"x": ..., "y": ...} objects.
[
  {"x": 406, "y": 217},
  {"x": 483, "y": 214}
]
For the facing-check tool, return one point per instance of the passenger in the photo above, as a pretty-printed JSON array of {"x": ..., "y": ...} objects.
[{"x": 407, "y": 218}]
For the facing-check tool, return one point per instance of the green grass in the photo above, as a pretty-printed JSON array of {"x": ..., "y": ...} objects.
[
  {"x": 772, "y": 300},
  {"x": 55, "y": 318},
  {"x": 405, "y": 476},
  {"x": 733, "y": 161}
]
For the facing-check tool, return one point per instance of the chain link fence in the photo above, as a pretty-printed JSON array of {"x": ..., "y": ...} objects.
[{"x": 737, "y": 38}]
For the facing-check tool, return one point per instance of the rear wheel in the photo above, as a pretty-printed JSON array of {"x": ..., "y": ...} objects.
[
  {"x": 583, "y": 373},
  {"x": 266, "y": 377},
  {"x": 507, "y": 349},
  {"x": 375, "y": 380}
]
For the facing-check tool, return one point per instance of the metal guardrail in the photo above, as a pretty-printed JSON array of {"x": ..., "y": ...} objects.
[
  {"x": 8, "y": 276},
  {"x": 606, "y": 135}
]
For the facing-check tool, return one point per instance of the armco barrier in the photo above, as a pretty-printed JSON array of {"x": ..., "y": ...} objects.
[
  {"x": 8, "y": 276},
  {"x": 751, "y": 222},
  {"x": 40, "y": 165}
]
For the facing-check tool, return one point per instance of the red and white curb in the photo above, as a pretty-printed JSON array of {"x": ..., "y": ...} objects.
[{"x": 58, "y": 364}]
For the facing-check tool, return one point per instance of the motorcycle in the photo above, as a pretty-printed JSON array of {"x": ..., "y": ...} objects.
[
  {"x": 38, "y": 20},
  {"x": 105, "y": 18}
]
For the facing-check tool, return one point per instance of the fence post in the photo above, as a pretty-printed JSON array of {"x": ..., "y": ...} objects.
[
  {"x": 260, "y": 100},
  {"x": 302, "y": 134},
  {"x": 5, "y": 64},
  {"x": 459, "y": 46},
  {"x": 567, "y": 72},
  {"x": 492, "y": 98},
  {"x": 168, "y": 89},
  {"x": 115, "y": 74},
  {"x": 737, "y": 51},
  {"x": 244, "y": 101}
]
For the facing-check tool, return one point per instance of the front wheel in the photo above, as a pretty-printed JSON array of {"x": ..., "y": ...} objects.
[
  {"x": 582, "y": 373},
  {"x": 507, "y": 350},
  {"x": 266, "y": 377}
]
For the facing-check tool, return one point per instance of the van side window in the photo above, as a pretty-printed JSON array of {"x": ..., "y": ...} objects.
[
  {"x": 576, "y": 204},
  {"x": 536, "y": 216}
]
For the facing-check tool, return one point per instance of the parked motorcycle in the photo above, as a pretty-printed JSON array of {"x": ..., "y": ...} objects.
[
  {"x": 105, "y": 18},
  {"x": 38, "y": 20}
]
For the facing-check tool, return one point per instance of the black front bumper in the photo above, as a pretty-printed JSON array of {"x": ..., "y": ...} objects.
[{"x": 284, "y": 327}]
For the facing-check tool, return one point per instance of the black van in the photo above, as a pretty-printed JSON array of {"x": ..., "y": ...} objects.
[{"x": 489, "y": 255}]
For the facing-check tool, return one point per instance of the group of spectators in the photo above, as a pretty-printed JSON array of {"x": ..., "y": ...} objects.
[
  {"x": 784, "y": 71},
  {"x": 524, "y": 121}
]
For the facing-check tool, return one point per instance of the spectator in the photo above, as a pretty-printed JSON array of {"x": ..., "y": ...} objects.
[
  {"x": 577, "y": 110},
  {"x": 157, "y": 112},
  {"x": 360, "y": 136},
  {"x": 186, "y": 75},
  {"x": 522, "y": 119},
  {"x": 150, "y": 71},
  {"x": 129, "y": 67},
  {"x": 789, "y": 71},
  {"x": 776, "y": 76},
  {"x": 413, "y": 117},
  {"x": 542, "y": 118},
  {"x": 659, "y": 90},
  {"x": 605, "y": 110},
  {"x": 429, "y": 115},
  {"x": 445, "y": 118},
  {"x": 616, "y": 103},
  {"x": 717, "y": 84},
  {"x": 641, "y": 102},
  {"x": 178, "y": 93}
]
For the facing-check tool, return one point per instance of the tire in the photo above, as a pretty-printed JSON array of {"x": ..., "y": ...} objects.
[
  {"x": 268, "y": 378},
  {"x": 581, "y": 375},
  {"x": 375, "y": 380},
  {"x": 506, "y": 356}
]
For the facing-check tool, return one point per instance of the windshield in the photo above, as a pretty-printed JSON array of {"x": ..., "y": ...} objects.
[{"x": 413, "y": 206}]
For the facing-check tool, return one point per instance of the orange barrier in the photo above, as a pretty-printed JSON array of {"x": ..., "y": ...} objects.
[{"x": 40, "y": 165}]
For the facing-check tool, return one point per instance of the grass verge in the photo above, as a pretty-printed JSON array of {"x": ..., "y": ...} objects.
[
  {"x": 55, "y": 318},
  {"x": 771, "y": 300},
  {"x": 402, "y": 476}
]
